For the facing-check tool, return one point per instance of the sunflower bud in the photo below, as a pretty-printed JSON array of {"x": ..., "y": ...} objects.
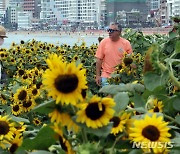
[{"x": 147, "y": 61}]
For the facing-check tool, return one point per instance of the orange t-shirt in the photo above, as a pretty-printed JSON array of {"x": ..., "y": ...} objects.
[{"x": 112, "y": 53}]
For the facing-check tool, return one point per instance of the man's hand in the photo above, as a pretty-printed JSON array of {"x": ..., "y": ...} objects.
[{"x": 98, "y": 80}]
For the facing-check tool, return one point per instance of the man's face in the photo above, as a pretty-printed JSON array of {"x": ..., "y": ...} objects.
[{"x": 114, "y": 33}]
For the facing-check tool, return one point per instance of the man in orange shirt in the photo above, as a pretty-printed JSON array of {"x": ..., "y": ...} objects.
[{"x": 110, "y": 53}]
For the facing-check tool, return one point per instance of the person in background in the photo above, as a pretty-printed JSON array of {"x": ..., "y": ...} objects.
[
  {"x": 2, "y": 36},
  {"x": 110, "y": 53}
]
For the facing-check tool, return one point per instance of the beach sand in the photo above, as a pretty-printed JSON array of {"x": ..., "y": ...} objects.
[{"x": 102, "y": 33}]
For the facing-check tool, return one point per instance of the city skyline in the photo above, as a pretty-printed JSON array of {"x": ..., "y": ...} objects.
[{"x": 89, "y": 13}]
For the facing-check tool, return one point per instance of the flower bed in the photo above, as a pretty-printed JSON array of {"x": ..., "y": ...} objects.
[{"x": 50, "y": 103}]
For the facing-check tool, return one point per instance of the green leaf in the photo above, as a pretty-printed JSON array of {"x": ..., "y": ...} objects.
[
  {"x": 172, "y": 34},
  {"x": 177, "y": 47},
  {"x": 40, "y": 152},
  {"x": 136, "y": 151},
  {"x": 129, "y": 87},
  {"x": 140, "y": 110},
  {"x": 176, "y": 103},
  {"x": 168, "y": 105},
  {"x": 112, "y": 89},
  {"x": 122, "y": 100},
  {"x": 139, "y": 87},
  {"x": 15, "y": 87},
  {"x": 123, "y": 144},
  {"x": 164, "y": 77},
  {"x": 151, "y": 81},
  {"x": 177, "y": 119},
  {"x": 43, "y": 140},
  {"x": 176, "y": 142},
  {"x": 138, "y": 100},
  {"x": 101, "y": 132},
  {"x": 159, "y": 92},
  {"x": 174, "y": 152},
  {"x": 19, "y": 119},
  {"x": 45, "y": 108}
]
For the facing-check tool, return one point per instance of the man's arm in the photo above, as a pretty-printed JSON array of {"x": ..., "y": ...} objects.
[{"x": 98, "y": 71}]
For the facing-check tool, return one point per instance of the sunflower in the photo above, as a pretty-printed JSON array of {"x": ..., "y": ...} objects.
[
  {"x": 34, "y": 92},
  {"x": 150, "y": 130},
  {"x": 55, "y": 116},
  {"x": 67, "y": 121},
  {"x": 65, "y": 145},
  {"x": 36, "y": 121},
  {"x": 6, "y": 128},
  {"x": 15, "y": 142},
  {"x": 3, "y": 99},
  {"x": 16, "y": 108},
  {"x": 119, "y": 123},
  {"x": 54, "y": 61},
  {"x": 65, "y": 82},
  {"x": 21, "y": 72},
  {"x": 3, "y": 143},
  {"x": 157, "y": 106},
  {"x": 21, "y": 94},
  {"x": 20, "y": 128},
  {"x": 96, "y": 113},
  {"x": 64, "y": 119},
  {"x": 28, "y": 104}
]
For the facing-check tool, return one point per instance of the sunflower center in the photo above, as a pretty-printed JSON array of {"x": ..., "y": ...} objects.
[
  {"x": 22, "y": 95},
  {"x": 128, "y": 61},
  {"x": 116, "y": 121},
  {"x": 21, "y": 72},
  {"x": 27, "y": 104},
  {"x": 83, "y": 93},
  {"x": 34, "y": 91},
  {"x": 38, "y": 85},
  {"x": 4, "y": 128},
  {"x": 93, "y": 112},
  {"x": 13, "y": 148},
  {"x": 151, "y": 133},
  {"x": 156, "y": 109},
  {"x": 16, "y": 108},
  {"x": 37, "y": 121},
  {"x": 66, "y": 83},
  {"x": 3, "y": 97},
  {"x": 63, "y": 146}
]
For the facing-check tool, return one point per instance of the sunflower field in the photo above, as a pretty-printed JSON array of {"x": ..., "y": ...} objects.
[{"x": 50, "y": 103}]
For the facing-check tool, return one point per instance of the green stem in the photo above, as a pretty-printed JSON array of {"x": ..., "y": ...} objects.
[
  {"x": 171, "y": 76},
  {"x": 171, "y": 119},
  {"x": 84, "y": 136},
  {"x": 173, "y": 55},
  {"x": 117, "y": 139}
]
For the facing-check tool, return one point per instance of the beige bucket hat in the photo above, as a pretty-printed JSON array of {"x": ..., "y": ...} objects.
[{"x": 2, "y": 31}]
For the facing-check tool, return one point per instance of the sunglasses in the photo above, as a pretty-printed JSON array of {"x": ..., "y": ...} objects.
[{"x": 112, "y": 30}]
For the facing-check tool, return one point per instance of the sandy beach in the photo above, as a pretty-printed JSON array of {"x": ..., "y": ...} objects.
[{"x": 103, "y": 33}]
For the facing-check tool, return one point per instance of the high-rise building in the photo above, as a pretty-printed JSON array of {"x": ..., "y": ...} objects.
[
  {"x": 103, "y": 13},
  {"x": 114, "y": 6},
  {"x": 3, "y": 6},
  {"x": 163, "y": 12},
  {"x": 176, "y": 8},
  {"x": 16, "y": 3},
  {"x": 32, "y": 6},
  {"x": 79, "y": 11}
]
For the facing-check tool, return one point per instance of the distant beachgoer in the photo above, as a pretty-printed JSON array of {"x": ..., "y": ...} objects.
[{"x": 2, "y": 36}]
